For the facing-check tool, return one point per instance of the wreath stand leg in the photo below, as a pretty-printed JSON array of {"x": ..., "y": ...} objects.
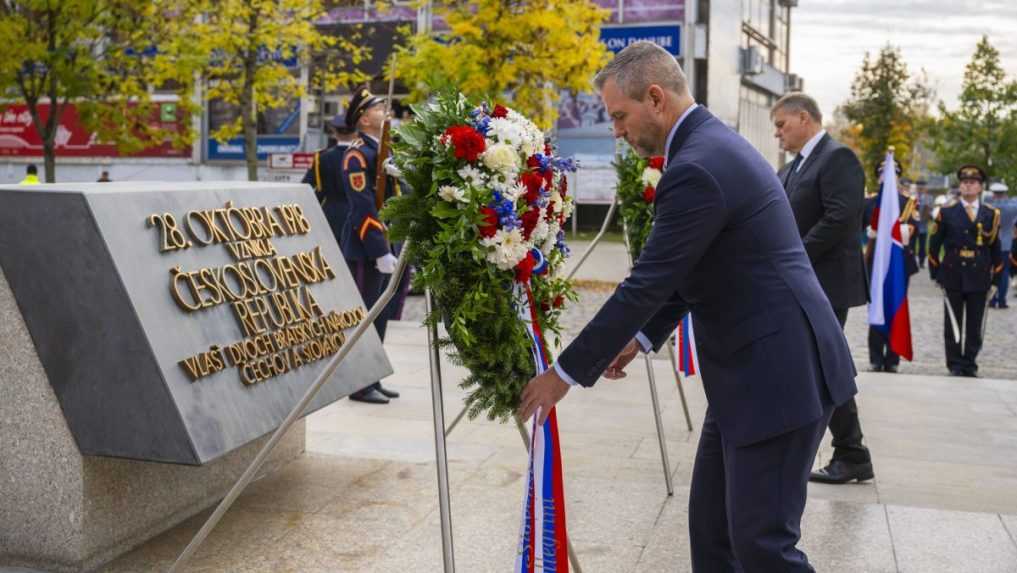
[
  {"x": 295, "y": 413},
  {"x": 440, "y": 452},
  {"x": 525, "y": 435}
]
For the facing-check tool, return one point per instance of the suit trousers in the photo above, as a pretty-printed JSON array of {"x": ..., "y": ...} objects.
[
  {"x": 968, "y": 307},
  {"x": 923, "y": 241},
  {"x": 746, "y": 503},
  {"x": 845, "y": 425},
  {"x": 1003, "y": 283}
]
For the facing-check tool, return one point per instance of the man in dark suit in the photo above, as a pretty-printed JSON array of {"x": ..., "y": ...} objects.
[
  {"x": 826, "y": 187},
  {"x": 325, "y": 176},
  {"x": 773, "y": 359}
]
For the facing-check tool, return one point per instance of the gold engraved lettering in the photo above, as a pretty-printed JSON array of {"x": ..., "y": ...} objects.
[{"x": 175, "y": 277}]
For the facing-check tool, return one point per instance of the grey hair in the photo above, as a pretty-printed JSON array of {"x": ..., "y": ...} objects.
[
  {"x": 798, "y": 102},
  {"x": 641, "y": 65}
]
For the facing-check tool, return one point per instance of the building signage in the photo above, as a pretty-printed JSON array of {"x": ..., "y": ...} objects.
[
  {"x": 18, "y": 136},
  {"x": 667, "y": 36},
  {"x": 267, "y": 145}
]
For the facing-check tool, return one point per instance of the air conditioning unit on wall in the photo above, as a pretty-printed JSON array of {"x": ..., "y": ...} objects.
[
  {"x": 752, "y": 61},
  {"x": 794, "y": 83}
]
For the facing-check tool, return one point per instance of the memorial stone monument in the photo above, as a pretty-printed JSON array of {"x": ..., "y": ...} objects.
[{"x": 153, "y": 334}]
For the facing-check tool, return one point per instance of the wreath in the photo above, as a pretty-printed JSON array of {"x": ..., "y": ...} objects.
[
  {"x": 485, "y": 219},
  {"x": 637, "y": 188}
]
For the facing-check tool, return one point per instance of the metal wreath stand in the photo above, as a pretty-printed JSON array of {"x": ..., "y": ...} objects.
[{"x": 440, "y": 430}]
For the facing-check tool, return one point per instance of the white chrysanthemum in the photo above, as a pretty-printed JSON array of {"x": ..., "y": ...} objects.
[
  {"x": 533, "y": 139},
  {"x": 513, "y": 191},
  {"x": 547, "y": 247},
  {"x": 556, "y": 202},
  {"x": 502, "y": 158},
  {"x": 651, "y": 177},
  {"x": 472, "y": 176},
  {"x": 452, "y": 193},
  {"x": 507, "y": 248},
  {"x": 540, "y": 231},
  {"x": 568, "y": 206},
  {"x": 502, "y": 130}
]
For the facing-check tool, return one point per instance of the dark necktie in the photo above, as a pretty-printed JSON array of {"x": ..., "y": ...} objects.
[{"x": 791, "y": 172}]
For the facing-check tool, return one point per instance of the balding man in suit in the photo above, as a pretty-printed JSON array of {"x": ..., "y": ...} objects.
[{"x": 825, "y": 184}]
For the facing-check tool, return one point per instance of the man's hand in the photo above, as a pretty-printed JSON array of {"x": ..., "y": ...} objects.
[
  {"x": 386, "y": 265},
  {"x": 541, "y": 394},
  {"x": 616, "y": 370}
]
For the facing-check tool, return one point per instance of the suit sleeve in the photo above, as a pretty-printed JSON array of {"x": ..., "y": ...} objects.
[
  {"x": 659, "y": 328},
  {"x": 842, "y": 191},
  {"x": 363, "y": 214},
  {"x": 690, "y": 213}
]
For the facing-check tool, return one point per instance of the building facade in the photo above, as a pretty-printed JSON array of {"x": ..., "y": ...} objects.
[{"x": 734, "y": 51}]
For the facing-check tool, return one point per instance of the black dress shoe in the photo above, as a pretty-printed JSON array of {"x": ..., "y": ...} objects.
[
  {"x": 369, "y": 395},
  {"x": 969, "y": 374},
  {"x": 956, "y": 372},
  {"x": 387, "y": 392},
  {"x": 875, "y": 368},
  {"x": 891, "y": 369},
  {"x": 839, "y": 472}
]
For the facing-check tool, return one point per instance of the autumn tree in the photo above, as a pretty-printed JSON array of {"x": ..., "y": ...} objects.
[
  {"x": 247, "y": 44},
  {"x": 886, "y": 108},
  {"x": 522, "y": 52},
  {"x": 103, "y": 56},
  {"x": 983, "y": 129}
]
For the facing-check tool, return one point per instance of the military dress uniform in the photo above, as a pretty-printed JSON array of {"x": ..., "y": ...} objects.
[
  {"x": 971, "y": 261},
  {"x": 881, "y": 358},
  {"x": 326, "y": 178},
  {"x": 364, "y": 239}
]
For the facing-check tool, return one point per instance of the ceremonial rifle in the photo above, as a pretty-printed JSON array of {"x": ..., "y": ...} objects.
[
  {"x": 953, "y": 317},
  {"x": 381, "y": 180},
  {"x": 985, "y": 311}
]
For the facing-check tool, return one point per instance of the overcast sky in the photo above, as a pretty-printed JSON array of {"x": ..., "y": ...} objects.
[{"x": 829, "y": 38}]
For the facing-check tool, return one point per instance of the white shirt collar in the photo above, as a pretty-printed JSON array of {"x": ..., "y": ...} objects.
[
  {"x": 974, "y": 203},
  {"x": 808, "y": 147},
  {"x": 674, "y": 130}
]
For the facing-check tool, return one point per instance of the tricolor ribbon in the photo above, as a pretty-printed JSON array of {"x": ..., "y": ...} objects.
[
  {"x": 543, "y": 545},
  {"x": 685, "y": 347}
]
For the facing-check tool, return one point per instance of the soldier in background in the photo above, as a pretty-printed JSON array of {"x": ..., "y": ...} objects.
[
  {"x": 881, "y": 358},
  {"x": 1008, "y": 217},
  {"x": 364, "y": 241},
  {"x": 968, "y": 232},
  {"x": 325, "y": 176}
]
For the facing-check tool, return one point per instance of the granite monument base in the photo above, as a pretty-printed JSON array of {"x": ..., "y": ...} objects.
[{"x": 64, "y": 512}]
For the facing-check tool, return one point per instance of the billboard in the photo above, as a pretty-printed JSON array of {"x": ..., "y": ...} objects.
[{"x": 19, "y": 138}]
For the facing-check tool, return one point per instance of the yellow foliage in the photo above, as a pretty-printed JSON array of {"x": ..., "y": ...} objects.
[{"x": 522, "y": 52}]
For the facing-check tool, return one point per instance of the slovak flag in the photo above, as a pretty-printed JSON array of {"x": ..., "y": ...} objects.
[
  {"x": 685, "y": 347},
  {"x": 888, "y": 311}
]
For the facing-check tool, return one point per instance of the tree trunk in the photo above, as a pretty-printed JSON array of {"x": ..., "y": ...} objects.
[{"x": 250, "y": 114}]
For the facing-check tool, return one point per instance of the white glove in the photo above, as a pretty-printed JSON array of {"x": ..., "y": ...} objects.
[
  {"x": 905, "y": 234},
  {"x": 392, "y": 169},
  {"x": 386, "y": 265},
  {"x": 870, "y": 232}
]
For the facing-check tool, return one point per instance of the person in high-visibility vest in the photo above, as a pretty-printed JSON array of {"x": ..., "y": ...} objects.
[{"x": 31, "y": 176}]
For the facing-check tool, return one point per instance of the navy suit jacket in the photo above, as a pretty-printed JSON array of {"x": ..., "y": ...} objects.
[
  {"x": 325, "y": 176},
  {"x": 725, "y": 245}
]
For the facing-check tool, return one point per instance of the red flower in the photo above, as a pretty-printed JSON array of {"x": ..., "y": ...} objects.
[
  {"x": 549, "y": 212},
  {"x": 533, "y": 162},
  {"x": 563, "y": 188},
  {"x": 533, "y": 182},
  {"x": 490, "y": 225},
  {"x": 657, "y": 162},
  {"x": 649, "y": 194},
  {"x": 529, "y": 220},
  {"x": 559, "y": 301},
  {"x": 468, "y": 142},
  {"x": 547, "y": 149},
  {"x": 524, "y": 269},
  {"x": 499, "y": 111}
]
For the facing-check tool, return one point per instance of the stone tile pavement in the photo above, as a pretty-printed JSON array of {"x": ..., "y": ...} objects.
[{"x": 364, "y": 498}]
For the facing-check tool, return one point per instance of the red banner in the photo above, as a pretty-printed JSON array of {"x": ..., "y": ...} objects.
[{"x": 18, "y": 136}]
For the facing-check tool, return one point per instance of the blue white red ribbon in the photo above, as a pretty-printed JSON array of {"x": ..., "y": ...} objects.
[
  {"x": 543, "y": 542},
  {"x": 685, "y": 347}
]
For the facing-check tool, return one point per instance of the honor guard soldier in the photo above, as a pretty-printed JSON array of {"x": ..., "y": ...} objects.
[
  {"x": 967, "y": 231},
  {"x": 364, "y": 242},
  {"x": 881, "y": 358},
  {"x": 325, "y": 176}
]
